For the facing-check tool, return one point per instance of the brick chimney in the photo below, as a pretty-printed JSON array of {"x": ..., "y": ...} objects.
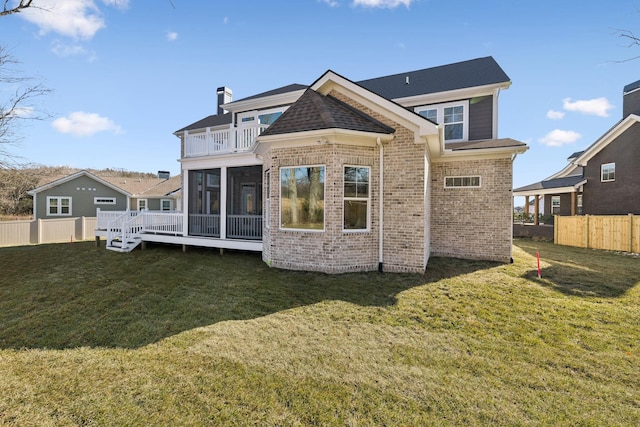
[
  {"x": 631, "y": 99},
  {"x": 224, "y": 95}
]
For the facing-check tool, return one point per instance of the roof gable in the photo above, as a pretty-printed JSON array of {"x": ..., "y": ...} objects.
[
  {"x": 606, "y": 139},
  {"x": 73, "y": 176},
  {"x": 313, "y": 111}
]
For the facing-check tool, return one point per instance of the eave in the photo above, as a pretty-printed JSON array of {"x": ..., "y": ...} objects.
[
  {"x": 452, "y": 95},
  {"x": 265, "y": 102}
]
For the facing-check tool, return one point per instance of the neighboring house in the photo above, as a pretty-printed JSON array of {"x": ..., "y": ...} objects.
[
  {"x": 82, "y": 193},
  {"x": 604, "y": 179},
  {"x": 350, "y": 176}
]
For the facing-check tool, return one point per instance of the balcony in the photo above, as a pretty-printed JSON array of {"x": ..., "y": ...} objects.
[{"x": 224, "y": 141}]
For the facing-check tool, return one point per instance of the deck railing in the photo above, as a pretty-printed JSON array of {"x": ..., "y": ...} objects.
[
  {"x": 127, "y": 224},
  {"x": 212, "y": 142},
  {"x": 207, "y": 225},
  {"x": 244, "y": 227}
]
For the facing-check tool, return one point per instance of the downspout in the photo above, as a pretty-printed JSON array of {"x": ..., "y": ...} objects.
[{"x": 381, "y": 206}]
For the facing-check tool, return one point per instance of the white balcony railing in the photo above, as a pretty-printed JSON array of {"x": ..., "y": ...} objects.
[{"x": 213, "y": 142}]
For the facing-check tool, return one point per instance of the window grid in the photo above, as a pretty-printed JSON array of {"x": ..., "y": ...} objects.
[
  {"x": 58, "y": 206},
  {"x": 608, "y": 172},
  {"x": 357, "y": 197},
  {"x": 462, "y": 182}
]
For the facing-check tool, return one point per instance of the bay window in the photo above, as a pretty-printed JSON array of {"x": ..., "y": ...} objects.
[{"x": 302, "y": 197}]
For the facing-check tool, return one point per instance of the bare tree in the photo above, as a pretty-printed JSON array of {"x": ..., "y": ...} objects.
[
  {"x": 17, "y": 106},
  {"x": 8, "y": 10},
  {"x": 630, "y": 39}
]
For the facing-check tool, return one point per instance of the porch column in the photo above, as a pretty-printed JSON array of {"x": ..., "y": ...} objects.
[
  {"x": 536, "y": 208},
  {"x": 574, "y": 203},
  {"x": 526, "y": 206},
  {"x": 223, "y": 202},
  {"x": 185, "y": 202}
]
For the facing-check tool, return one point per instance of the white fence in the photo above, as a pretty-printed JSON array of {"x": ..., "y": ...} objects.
[{"x": 19, "y": 233}]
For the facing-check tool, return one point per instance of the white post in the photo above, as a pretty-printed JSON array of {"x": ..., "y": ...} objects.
[
  {"x": 185, "y": 200},
  {"x": 223, "y": 202}
]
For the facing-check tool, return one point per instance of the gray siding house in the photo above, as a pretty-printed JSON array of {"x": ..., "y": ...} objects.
[
  {"x": 604, "y": 179},
  {"x": 83, "y": 193}
]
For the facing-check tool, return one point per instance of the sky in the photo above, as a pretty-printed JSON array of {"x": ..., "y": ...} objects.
[{"x": 126, "y": 74}]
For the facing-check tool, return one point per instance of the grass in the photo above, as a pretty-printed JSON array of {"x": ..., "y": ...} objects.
[{"x": 160, "y": 337}]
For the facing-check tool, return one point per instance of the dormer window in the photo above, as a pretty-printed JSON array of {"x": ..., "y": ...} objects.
[{"x": 454, "y": 116}]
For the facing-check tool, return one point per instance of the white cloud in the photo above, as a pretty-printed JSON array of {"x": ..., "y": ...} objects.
[
  {"x": 558, "y": 138},
  {"x": 172, "y": 35},
  {"x": 331, "y": 3},
  {"x": 80, "y": 123},
  {"x": 594, "y": 107},
  {"x": 390, "y": 4},
  {"x": 225, "y": 20},
  {"x": 79, "y": 19},
  {"x": 555, "y": 115},
  {"x": 22, "y": 112}
]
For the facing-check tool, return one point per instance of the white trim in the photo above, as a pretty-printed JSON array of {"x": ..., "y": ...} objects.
[
  {"x": 357, "y": 199},
  {"x": 104, "y": 200},
  {"x": 440, "y": 116},
  {"x": 324, "y": 215},
  {"x": 462, "y": 177},
  {"x": 286, "y": 98},
  {"x": 59, "y": 206},
  {"x": 606, "y": 139},
  {"x": 170, "y": 205},
  {"x": 451, "y": 95},
  {"x": 146, "y": 204},
  {"x": 602, "y": 166}
]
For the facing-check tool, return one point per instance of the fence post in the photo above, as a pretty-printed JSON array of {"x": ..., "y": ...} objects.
[
  {"x": 630, "y": 233},
  {"x": 82, "y": 228},
  {"x": 586, "y": 227},
  {"x": 556, "y": 226},
  {"x": 39, "y": 230}
]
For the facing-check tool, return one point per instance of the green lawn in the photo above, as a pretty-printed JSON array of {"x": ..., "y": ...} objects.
[{"x": 161, "y": 337}]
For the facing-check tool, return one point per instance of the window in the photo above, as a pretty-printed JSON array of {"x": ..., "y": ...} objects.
[
  {"x": 608, "y": 172},
  {"x": 58, "y": 206},
  {"x": 142, "y": 204},
  {"x": 555, "y": 205},
  {"x": 462, "y": 182},
  {"x": 267, "y": 212},
  {"x": 104, "y": 200},
  {"x": 165, "y": 204},
  {"x": 356, "y": 197},
  {"x": 454, "y": 116},
  {"x": 302, "y": 198}
]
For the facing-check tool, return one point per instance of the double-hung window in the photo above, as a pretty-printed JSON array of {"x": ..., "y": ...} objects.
[
  {"x": 142, "y": 204},
  {"x": 555, "y": 205},
  {"x": 165, "y": 205},
  {"x": 58, "y": 206},
  {"x": 608, "y": 172},
  {"x": 302, "y": 197},
  {"x": 356, "y": 197},
  {"x": 453, "y": 115}
]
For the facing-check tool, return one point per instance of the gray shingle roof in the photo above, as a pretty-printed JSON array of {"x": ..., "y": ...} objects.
[
  {"x": 209, "y": 121},
  {"x": 313, "y": 111},
  {"x": 566, "y": 181},
  {"x": 475, "y": 72},
  {"x": 484, "y": 144},
  {"x": 284, "y": 89}
]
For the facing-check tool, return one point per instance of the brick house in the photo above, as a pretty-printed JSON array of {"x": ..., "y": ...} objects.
[
  {"x": 601, "y": 180},
  {"x": 346, "y": 176}
]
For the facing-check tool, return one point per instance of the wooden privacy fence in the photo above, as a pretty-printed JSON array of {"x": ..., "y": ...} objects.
[
  {"x": 18, "y": 233},
  {"x": 609, "y": 232}
]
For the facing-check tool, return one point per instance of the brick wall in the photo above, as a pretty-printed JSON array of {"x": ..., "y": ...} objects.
[
  {"x": 334, "y": 250},
  {"x": 468, "y": 222}
]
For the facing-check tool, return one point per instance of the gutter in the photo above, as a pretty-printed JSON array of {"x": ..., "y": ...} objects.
[{"x": 381, "y": 207}]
